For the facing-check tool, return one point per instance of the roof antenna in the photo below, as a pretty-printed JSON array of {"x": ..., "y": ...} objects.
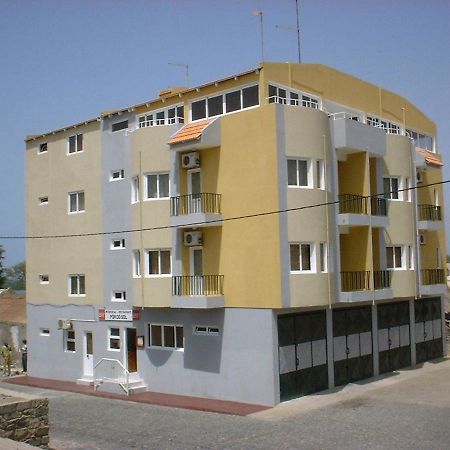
[
  {"x": 298, "y": 29},
  {"x": 259, "y": 13},
  {"x": 186, "y": 66}
]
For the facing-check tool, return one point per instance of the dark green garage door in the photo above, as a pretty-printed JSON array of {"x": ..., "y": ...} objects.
[
  {"x": 302, "y": 351},
  {"x": 428, "y": 329},
  {"x": 352, "y": 344},
  {"x": 394, "y": 343}
]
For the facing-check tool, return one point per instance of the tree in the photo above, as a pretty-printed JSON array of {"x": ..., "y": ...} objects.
[
  {"x": 15, "y": 276},
  {"x": 2, "y": 274}
]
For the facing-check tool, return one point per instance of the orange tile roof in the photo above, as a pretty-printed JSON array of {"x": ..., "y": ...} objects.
[
  {"x": 430, "y": 158},
  {"x": 190, "y": 132}
]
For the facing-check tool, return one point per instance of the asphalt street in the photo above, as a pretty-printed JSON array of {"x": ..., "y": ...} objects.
[{"x": 407, "y": 410}]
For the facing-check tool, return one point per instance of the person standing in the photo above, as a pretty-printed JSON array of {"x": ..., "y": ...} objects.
[
  {"x": 6, "y": 352},
  {"x": 24, "y": 353}
]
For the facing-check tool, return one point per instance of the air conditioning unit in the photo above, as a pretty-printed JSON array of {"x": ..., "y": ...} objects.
[
  {"x": 419, "y": 176},
  {"x": 422, "y": 239},
  {"x": 190, "y": 160},
  {"x": 192, "y": 238},
  {"x": 64, "y": 324}
]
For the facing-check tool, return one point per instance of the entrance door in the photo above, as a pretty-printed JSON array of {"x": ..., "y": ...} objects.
[
  {"x": 302, "y": 352},
  {"x": 428, "y": 329},
  {"x": 196, "y": 266},
  {"x": 394, "y": 344},
  {"x": 195, "y": 189},
  {"x": 88, "y": 355},
  {"x": 131, "y": 350},
  {"x": 352, "y": 339}
]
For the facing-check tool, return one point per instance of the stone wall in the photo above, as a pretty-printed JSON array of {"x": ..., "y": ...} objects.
[{"x": 24, "y": 419}]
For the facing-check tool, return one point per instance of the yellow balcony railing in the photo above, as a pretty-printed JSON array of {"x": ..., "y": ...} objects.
[
  {"x": 205, "y": 285},
  {"x": 432, "y": 276},
  {"x": 355, "y": 281},
  {"x": 195, "y": 203}
]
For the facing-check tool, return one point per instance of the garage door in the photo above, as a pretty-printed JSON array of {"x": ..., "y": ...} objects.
[
  {"x": 428, "y": 329},
  {"x": 394, "y": 343},
  {"x": 352, "y": 344},
  {"x": 302, "y": 351}
]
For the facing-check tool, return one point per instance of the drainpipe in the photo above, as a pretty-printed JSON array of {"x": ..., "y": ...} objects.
[
  {"x": 325, "y": 181},
  {"x": 414, "y": 214}
]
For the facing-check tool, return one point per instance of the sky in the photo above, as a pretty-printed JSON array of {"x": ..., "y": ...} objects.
[{"x": 63, "y": 62}]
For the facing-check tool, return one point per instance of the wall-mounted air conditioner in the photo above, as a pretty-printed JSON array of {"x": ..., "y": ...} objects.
[
  {"x": 192, "y": 238},
  {"x": 64, "y": 324},
  {"x": 190, "y": 160}
]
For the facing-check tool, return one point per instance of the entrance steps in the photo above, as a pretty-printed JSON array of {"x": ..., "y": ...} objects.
[
  {"x": 85, "y": 381},
  {"x": 119, "y": 385}
]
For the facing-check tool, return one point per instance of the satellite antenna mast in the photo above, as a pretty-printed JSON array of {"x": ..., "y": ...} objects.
[
  {"x": 298, "y": 29},
  {"x": 259, "y": 14},
  {"x": 185, "y": 66}
]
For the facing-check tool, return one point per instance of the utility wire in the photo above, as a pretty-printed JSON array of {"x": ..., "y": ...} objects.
[{"x": 227, "y": 219}]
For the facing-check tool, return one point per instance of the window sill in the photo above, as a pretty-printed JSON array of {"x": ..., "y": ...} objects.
[
  {"x": 301, "y": 187},
  {"x": 114, "y": 350},
  {"x": 166, "y": 275},
  {"x": 76, "y": 212},
  {"x": 74, "y": 153},
  {"x": 302, "y": 272},
  {"x": 156, "y": 199},
  {"x": 77, "y": 295}
]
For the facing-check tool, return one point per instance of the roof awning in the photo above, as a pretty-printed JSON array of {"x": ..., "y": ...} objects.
[
  {"x": 430, "y": 158},
  {"x": 201, "y": 134}
]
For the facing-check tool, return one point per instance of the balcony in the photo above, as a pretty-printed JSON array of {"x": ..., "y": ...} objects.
[
  {"x": 198, "y": 291},
  {"x": 353, "y": 211},
  {"x": 430, "y": 217},
  {"x": 355, "y": 281},
  {"x": 356, "y": 286},
  {"x": 432, "y": 282},
  {"x": 381, "y": 279},
  {"x": 202, "y": 210}
]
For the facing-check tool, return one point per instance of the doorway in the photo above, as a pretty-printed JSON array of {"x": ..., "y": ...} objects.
[
  {"x": 194, "y": 190},
  {"x": 131, "y": 350},
  {"x": 88, "y": 354},
  {"x": 196, "y": 269}
]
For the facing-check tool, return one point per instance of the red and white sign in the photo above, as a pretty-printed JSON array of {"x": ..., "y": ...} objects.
[{"x": 125, "y": 315}]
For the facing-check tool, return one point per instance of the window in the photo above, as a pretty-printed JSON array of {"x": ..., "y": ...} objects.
[
  {"x": 43, "y": 200},
  {"x": 136, "y": 263},
  {"x": 135, "y": 190},
  {"x": 388, "y": 127},
  {"x": 166, "y": 336},
  {"x": 119, "y": 296},
  {"x": 215, "y": 106},
  {"x": 302, "y": 257},
  {"x": 391, "y": 186},
  {"x": 310, "y": 102},
  {"x": 75, "y": 144},
  {"x": 250, "y": 96},
  {"x": 44, "y": 279},
  {"x": 44, "y": 332},
  {"x": 43, "y": 148},
  {"x": 299, "y": 172},
  {"x": 114, "y": 339},
  {"x": 157, "y": 185},
  {"x": 410, "y": 257},
  {"x": 77, "y": 285},
  {"x": 69, "y": 341},
  {"x": 117, "y": 175},
  {"x": 323, "y": 257},
  {"x": 320, "y": 175},
  {"x": 117, "y": 244},
  {"x": 158, "y": 262},
  {"x": 395, "y": 257},
  {"x": 198, "y": 109},
  {"x": 233, "y": 101},
  {"x": 76, "y": 202},
  {"x": 421, "y": 140},
  {"x": 119, "y": 126},
  {"x": 280, "y": 95},
  {"x": 173, "y": 114},
  {"x": 205, "y": 330}
]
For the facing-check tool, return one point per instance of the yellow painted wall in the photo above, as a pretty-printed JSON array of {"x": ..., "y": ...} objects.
[
  {"x": 353, "y": 174},
  {"x": 355, "y": 250}
]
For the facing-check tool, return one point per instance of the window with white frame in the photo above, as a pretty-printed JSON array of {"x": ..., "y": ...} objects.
[
  {"x": 421, "y": 140},
  {"x": 69, "y": 341},
  {"x": 43, "y": 148},
  {"x": 323, "y": 257},
  {"x": 165, "y": 336},
  {"x": 173, "y": 114},
  {"x": 388, "y": 127},
  {"x": 391, "y": 187},
  {"x": 117, "y": 244},
  {"x": 135, "y": 196},
  {"x": 75, "y": 144},
  {"x": 136, "y": 263},
  {"x": 158, "y": 262},
  {"x": 76, "y": 202},
  {"x": 119, "y": 296},
  {"x": 286, "y": 96},
  {"x": 117, "y": 175},
  {"x": 395, "y": 257},
  {"x": 43, "y": 200},
  {"x": 302, "y": 256},
  {"x": 44, "y": 331},
  {"x": 77, "y": 285},
  {"x": 299, "y": 173},
  {"x": 157, "y": 186},
  {"x": 320, "y": 174},
  {"x": 44, "y": 279},
  {"x": 122, "y": 125},
  {"x": 114, "y": 339}
]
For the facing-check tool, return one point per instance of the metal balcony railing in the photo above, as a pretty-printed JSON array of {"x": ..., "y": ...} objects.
[
  {"x": 352, "y": 204},
  {"x": 378, "y": 206},
  {"x": 429, "y": 212},
  {"x": 355, "y": 281},
  {"x": 195, "y": 203},
  {"x": 206, "y": 285},
  {"x": 381, "y": 279},
  {"x": 432, "y": 276}
]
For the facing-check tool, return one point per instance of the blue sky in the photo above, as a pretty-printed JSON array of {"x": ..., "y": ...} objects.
[{"x": 66, "y": 61}]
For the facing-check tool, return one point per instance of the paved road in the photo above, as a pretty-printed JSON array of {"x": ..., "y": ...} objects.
[{"x": 410, "y": 410}]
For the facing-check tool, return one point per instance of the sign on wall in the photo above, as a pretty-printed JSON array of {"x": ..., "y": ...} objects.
[{"x": 125, "y": 315}]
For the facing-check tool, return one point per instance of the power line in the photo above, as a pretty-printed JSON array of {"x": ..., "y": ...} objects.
[{"x": 228, "y": 219}]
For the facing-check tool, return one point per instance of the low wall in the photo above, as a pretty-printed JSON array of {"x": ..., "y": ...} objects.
[{"x": 24, "y": 418}]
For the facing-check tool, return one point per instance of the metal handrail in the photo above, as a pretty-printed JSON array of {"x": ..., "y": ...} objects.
[
  {"x": 99, "y": 380},
  {"x": 378, "y": 206},
  {"x": 159, "y": 122},
  {"x": 294, "y": 102},
  {"x": 355, "y": 281},
  {"x": 432, "y": 276},
  {"x": 195, "y": 203},
  {"x": 352, "y": 204},
  {"x": 197, "y": 285},
  {"x": 381, "y": 279},
  {"x": 429, "y": 212}
]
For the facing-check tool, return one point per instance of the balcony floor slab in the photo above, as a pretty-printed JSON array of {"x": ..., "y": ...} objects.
[
  {"x": 198, "y": 301},
  {"x": 433, "y": 289},
  {"x": 430, "y": 225},
  {"x": 197, "y": 220}
]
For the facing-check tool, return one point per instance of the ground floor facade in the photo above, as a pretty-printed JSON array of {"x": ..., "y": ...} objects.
[{"x": 260, "y": 356}]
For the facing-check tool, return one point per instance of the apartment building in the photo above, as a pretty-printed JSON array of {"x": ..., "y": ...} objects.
[{"x": 257, "y": 238}]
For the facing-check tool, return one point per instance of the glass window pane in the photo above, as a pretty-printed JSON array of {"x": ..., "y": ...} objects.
[
  {"x": 292, "y": 172},
  {"x": 153, "y": 265},
  {"x": 233, "y": 101},
  {"x": 398, "y": 257},
  {"x": 164, "y": 185},
  {"x": 294, "y": 99},
  {"x": 80, "y": 201},
  {"x": 250, "y": 96},
  {"x": 394, "y": 188},
  {"x": 79, "y": 142},
  {"x": 215, "y": 106},
  {"x": 306, "y": 256},
  {"x": 152, "y": 186},
  {"x": 198, "y": 110},
  {"x": 114, "y": 344},
  {"x": 71, "y": 144},
  {"x": 169, "y": 337},
  {"x": 303, "y": 173},
  {"x": 179, "y": 337},
  {"x": 295, "y": 257},
  {"x": 156, "y": 336},
  {"x": 272, "y": 93},
  {"x": 180, "y": 112},
  {"x": 165, "y": 261},
  {"x": 73, "y": 285},
  {"x": 387, "y": 187},
  {"x": 171, "y": 113},
  {"x": 323, "y": 257},
  {"x": 389, "y": 257},
  {"x": 81, "y": 285},
  {"x": 72, "y": 202}
]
